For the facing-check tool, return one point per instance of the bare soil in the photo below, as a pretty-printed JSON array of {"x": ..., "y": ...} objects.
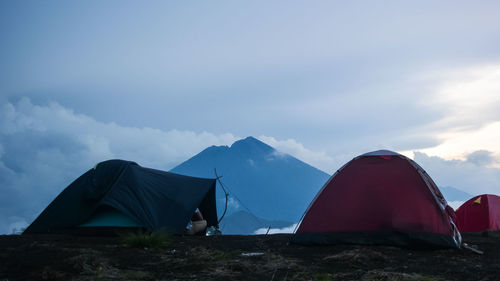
[{"x": 271, "y": 257}]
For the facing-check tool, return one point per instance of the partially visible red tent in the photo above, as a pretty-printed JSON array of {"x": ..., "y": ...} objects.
[
  {"x": 481, "y": 213},
  {"x": 380, "y": 197}
]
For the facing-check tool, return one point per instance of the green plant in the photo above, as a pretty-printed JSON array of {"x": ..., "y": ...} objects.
[{"x": 147, "y": 239}]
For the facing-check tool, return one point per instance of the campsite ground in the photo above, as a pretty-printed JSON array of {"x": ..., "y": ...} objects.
[{"x": 59, "y": 257}]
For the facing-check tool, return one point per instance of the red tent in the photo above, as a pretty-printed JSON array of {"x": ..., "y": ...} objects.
[
  {"x": 379, "y": 197},
  {"x": 481, "y": 213}
]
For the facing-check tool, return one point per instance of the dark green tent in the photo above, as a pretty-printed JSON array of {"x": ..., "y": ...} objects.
[{"x": 120, "y": 193}]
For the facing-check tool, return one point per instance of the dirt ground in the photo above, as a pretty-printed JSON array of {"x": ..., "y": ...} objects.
[{"x": 64, "y": 257}]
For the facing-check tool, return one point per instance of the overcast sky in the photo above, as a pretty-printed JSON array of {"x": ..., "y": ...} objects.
[{"x": 158, "y": 81}]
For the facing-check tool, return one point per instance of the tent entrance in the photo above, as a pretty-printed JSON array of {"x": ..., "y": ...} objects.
[{"x": 108, "y": 216}]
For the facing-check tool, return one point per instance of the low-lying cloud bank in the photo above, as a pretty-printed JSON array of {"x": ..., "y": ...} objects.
[
  {"x": 44, "y": 148},
  {"x": 288, "y": 229}
]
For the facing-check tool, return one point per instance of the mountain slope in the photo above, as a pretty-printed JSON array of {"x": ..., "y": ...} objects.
[
  {"x": 243, "y": 222},
  {"x": 452, "y": 194},
  {"x": 271, "y": 184}
]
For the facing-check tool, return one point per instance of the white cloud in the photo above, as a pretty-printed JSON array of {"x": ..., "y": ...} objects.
[
  {"x": 469, "y": 96},
  {"x": 233, "y": 204},
  {"x": 277, "y": 154},
  {"x": 465, "y": 175},
  {"x": 468, "y": 99},
  {"x": 318, "y": 159},
  {"x": 148, "y": 146},
  {"x": 13, "y": 224},
  {"x": 43, "y": 148},
  {"x": 456, "y": 144},
  {"x": 288, "y": 229}
]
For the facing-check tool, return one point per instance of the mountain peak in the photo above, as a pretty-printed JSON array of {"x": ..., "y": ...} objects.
[
  {"x": 273, "y": 186},
  {"x": 251, "y": 144},
  {"x": 247, "y": 140}
]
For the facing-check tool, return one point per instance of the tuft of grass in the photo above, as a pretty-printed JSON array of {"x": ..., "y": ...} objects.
[{"x": 147, "y": 239}]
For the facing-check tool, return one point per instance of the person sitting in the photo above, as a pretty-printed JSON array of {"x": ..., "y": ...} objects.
[{"x": 197, "y": 224}]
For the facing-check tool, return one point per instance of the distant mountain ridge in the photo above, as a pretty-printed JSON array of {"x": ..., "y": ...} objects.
[
  {"x": 453, "y": 194},
  {"x": 271, "y": 184}
]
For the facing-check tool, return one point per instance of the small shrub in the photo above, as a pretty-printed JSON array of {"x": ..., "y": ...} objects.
[{"x": 147, "y": 239}]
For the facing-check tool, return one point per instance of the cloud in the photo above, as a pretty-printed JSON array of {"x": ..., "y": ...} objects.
[
  {"x": 18, "y": 226},
  {"x": 467, "y": 175},
  {"x": 457, "y": 144},
  {"x": 468, "y": 99},
  {"x": 276, "y": 154},
  {"x": 481, "y": 158},
  {"x": 233, "y": 204},
  {"x": 43, "y": 148},
  {"x": 465, "y": 92},
  {"x": 288, "y": 229},
  {"x": 13, "y": 224},
  {"x": 290, "y": 146},
  {"x": 350, "y": 91}
]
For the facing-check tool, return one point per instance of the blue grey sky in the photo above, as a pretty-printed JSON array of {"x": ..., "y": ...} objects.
[{"x": 158, "y": 81}]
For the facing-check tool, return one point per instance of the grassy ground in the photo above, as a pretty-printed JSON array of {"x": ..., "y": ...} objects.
[{"x": 270, "y": 257}]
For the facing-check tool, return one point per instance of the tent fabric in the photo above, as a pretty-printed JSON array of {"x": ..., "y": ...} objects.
[
  {"x": 379, "y": 198},
  {"x": 479, "y": 214},
  {"x": 154, "y": 199}
]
